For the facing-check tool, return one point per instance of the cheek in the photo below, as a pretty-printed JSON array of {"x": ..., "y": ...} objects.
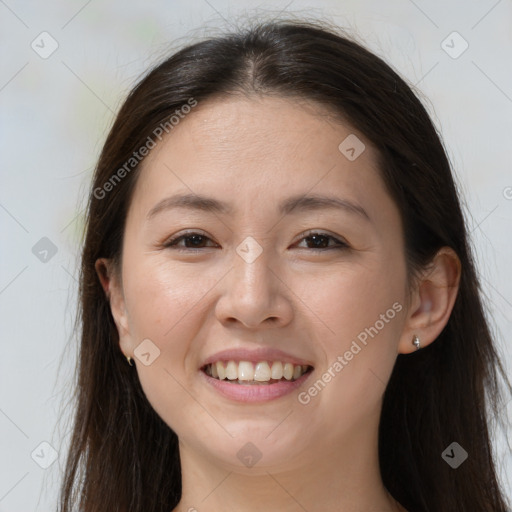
[
  {"x": 349, "y": 300},
  {"x": 362, "y": 314},
  {"x": 160, "y": 297},
  {"x": 164, "y": 305}
]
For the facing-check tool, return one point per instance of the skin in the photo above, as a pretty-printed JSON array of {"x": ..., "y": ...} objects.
[{"x": 255, "y": 152}]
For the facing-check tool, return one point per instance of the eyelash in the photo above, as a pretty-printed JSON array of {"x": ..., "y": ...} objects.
[{"x": 172, "y": 243}]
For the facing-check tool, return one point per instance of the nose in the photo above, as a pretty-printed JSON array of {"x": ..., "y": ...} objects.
[{"x": 254, "y": 294}]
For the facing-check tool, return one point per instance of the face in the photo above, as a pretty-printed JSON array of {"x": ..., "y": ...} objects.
[{"x": 265, "y": 277}]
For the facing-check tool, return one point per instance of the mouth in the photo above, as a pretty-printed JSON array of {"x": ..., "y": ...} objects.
[{"x": 255, "y": 374}]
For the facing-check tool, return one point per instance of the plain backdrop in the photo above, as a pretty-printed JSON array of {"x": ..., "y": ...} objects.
[{"x": 65, "y": 68}]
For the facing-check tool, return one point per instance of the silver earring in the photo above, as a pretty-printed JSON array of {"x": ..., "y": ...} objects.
[
  {"x": 129, "y": 359},
  {"x": 416, "y": 342}
]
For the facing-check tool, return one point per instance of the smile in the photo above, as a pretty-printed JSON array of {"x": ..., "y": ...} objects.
[
  {"x": 248, "y": 382},
  {"x": 248, "y": 373}
]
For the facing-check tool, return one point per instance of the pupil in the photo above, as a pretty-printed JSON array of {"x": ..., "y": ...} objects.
[
  {"x": 196, "y": 238},
  {"x": 316, "y": 239}
]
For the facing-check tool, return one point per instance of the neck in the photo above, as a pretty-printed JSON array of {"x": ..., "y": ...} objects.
[{"x": 330, "y": 476}]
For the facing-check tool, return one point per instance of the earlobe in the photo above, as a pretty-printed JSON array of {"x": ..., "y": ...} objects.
[{"x": 433, "y": 300}]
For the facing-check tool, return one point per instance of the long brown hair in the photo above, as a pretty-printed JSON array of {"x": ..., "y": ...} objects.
[{"x": 122, "y": 456}]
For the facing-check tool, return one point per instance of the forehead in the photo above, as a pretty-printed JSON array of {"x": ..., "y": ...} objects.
[
  {"x": 257, "y": 149},
  {"x": 259, "y": 127}
]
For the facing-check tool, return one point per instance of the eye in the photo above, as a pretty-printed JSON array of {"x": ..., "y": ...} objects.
[
  {"x": 196, "y": 240},
  {"x": 321, "y": 241}
]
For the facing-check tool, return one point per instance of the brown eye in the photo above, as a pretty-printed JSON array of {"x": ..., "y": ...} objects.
[
  {"x": 192, "y": 241},
  {"x": 315, "y": 241},
  {"x": 320, "y": 242}
]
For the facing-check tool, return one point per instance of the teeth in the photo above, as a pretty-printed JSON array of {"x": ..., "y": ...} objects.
[
  {"x": 277, "y": 370},
  {"x": 288, "y": 371},
  {"x": 221, "y": 371},
  {"x": 262, "y": 372},
  {"x": 245, "y": 370},
  {"x": 232, "y": 370}
]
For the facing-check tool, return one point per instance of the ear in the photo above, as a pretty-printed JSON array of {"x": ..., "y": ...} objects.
[
  {"x": 111, "y": 283},
  {"x": 432, "y": 300}
]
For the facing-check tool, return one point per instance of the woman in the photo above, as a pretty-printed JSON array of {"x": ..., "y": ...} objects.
[{"x": 279, "y": 306}]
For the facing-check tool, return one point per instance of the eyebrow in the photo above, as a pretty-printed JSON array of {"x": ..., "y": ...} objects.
[{"x": 294, "y": 204}]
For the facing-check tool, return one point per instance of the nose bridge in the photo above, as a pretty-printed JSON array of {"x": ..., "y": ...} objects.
[
  {"x": 252, "y": 273},
  {"x": 253, "y": 292}
]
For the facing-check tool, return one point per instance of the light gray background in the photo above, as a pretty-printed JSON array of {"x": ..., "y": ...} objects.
[{"x": 56, "y": 112}]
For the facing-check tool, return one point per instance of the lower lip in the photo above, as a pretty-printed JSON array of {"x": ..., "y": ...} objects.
[{"x": 254, "y": 392}]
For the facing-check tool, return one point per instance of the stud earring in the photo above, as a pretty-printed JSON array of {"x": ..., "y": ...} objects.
[
  {"x": 129, "y": 359},
  {"x": 416, "y": 342}
]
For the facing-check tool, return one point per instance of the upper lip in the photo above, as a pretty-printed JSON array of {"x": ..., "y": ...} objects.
[{"x": 255, "y": 356}]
